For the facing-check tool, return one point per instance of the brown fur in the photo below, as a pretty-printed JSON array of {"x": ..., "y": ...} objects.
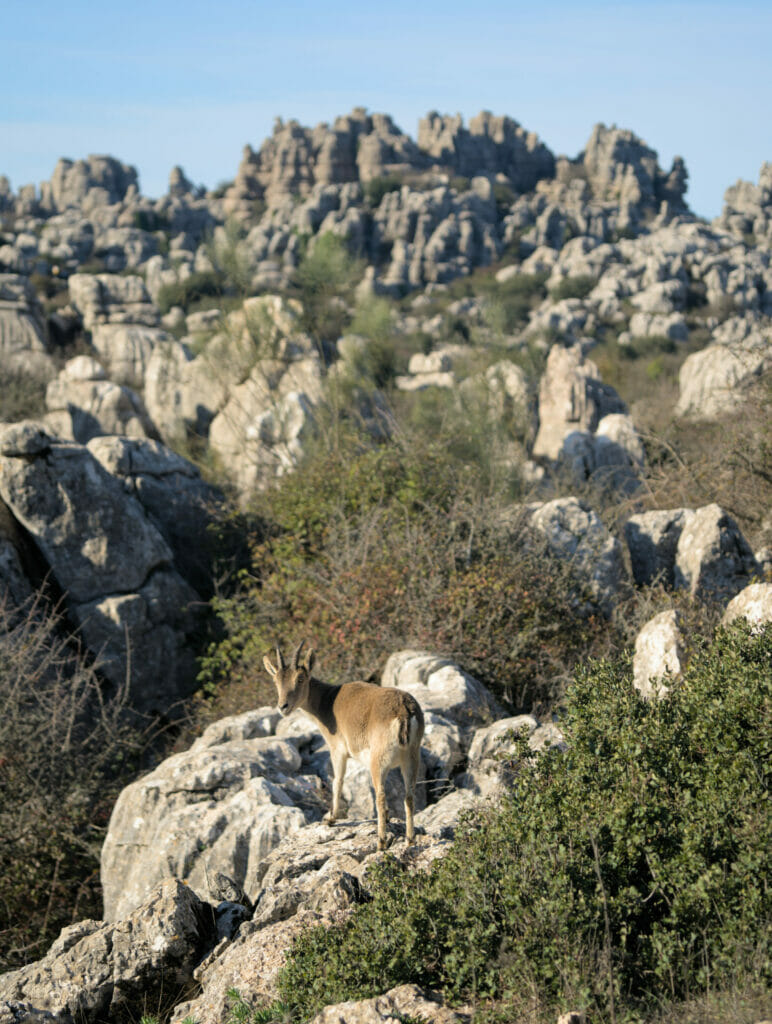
[{"x": 355, "y": 717}]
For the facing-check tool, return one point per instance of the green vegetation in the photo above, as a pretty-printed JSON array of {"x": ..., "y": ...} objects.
[
  {"x": 22, "y": 395},
  {"x": 190, "y": 290},
  {"x": 626, "y": 873},
  {"x": 378, "y": 187},
  {"x": 325, "y": 278},
  {"x": 371, "y": 549},
  {"x": 574, "y": 287}
]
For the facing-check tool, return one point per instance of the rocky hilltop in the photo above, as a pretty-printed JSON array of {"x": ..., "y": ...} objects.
[{"x": 347, "y": 274}]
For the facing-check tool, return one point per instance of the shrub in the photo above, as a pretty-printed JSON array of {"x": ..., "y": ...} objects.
[
  {"x": 374, "y": 549},
  {"x": 574, "y": 287},
  {"x": 190, "y": 289},
  {"x": 378, "y": 187},
  {"x": 628, "y": 870},
  {"x": 22, "y": 396},
  {"x": 324, "y": 278},
  {"x": 64, "y": 751}
]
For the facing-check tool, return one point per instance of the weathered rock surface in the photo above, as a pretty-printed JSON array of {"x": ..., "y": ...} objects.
[
  {"x": 112, "y": 564},
  {"x": 112, "y": 299},
  {"x": 577, "y": 535},
  {"x": 747, "y": 212},
  {"x": 115, "y": 971},
  {"x": 83, "y": 404},
  {"x": 659, "y": 655},
  {"x": 753, "y": 603},
  {"x": 22, "y": 332},
  {"x": 652, "y": 538},
  {"x": 406, "y": 1001},
  {"x": 713, "y": 559}
]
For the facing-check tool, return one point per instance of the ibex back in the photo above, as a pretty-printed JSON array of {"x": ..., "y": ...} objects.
[{"x": 356, "y": 719}]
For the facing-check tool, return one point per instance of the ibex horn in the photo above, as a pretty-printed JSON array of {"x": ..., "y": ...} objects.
[
  {"x": 296, "y": 655},
  {"x": 279, "y": 659}
]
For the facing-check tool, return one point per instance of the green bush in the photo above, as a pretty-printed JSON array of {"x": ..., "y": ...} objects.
[
  {"x": 22, "y": 396},
  {"x": 629, "y": 870},
  {"x": 574, "y": 287},
  {"x": 377, "y": 188},
  {"x": 325, "y": 277},
  {"x": 190, "y": 290},
  {"x": 373, "y": 549}
]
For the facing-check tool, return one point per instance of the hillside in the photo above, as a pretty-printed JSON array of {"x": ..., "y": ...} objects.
[{"x": 474, "y": 419}]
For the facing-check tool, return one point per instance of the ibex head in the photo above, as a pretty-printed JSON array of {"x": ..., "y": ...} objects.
[{"x": 291, "y": 680}]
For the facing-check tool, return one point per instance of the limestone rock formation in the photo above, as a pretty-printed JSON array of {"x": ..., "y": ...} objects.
[
  {"x": 577, "y": 535},
  {"x": 747, "y": 212},
  {"x": 22, "y": 332},
  {"x": 652, "y": 538},
  {"x": 659, "y": 655},
  {"x": 753, "y": 603},
  {"x": 113, "y": 566},
  {"x": 713, "y": 559},
  {"x": 114, "y": 971},
  {"x": 491, "y": 145}
]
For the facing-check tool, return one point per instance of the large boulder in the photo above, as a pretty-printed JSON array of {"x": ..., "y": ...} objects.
[
  {"x": 576, "y": 534},
  {"x": 115, "y": 971},
  {"x": 713, "y": 558},
  {"x": 219, "y": 808},
  {"x": 113, "y": 566},
  {"x": 125, "y": 350},
  {"x": 572, "y": 398},
  {"x": 652, "y": 539},
  {"x": 659, "y": 655},
  {"x": 179, "y": 503},
  {"x": 753, "y": 603},
  {"x": 83, "y": 404},
  {"x": 715, "y": 380}
]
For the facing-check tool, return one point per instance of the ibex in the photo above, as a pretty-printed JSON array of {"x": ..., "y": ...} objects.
[{"x": 356, "y": 719}]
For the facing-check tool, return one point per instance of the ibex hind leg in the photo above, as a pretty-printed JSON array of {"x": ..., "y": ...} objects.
[
  {"x": 409, "y": 769},
  {"x": 378, "y": 773}
]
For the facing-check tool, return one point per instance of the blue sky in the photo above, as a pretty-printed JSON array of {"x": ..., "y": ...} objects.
[{"x": 165, "y": 83}]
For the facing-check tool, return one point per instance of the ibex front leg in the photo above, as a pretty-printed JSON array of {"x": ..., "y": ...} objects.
[{"x": 339, "y": 761}]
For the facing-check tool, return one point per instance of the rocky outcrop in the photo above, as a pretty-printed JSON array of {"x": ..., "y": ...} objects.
[
  {"x": 652, "y": 538},
  {"x": 713, "y": 559},
  {"x": 492, "y": 146},
  {"x": 747, "y": 212},
  {"x": 753, "y": 603},
  {"x": 22, "y": 330},
  {"x": 576, "y": 534},
  {"x": 112, "y": 299},
  {"x": 715, "y": 380},
  {"x": 108, "y": 559},
  {"x": 86, "y": 184},
  {"x": 115, "y": 971},
  {"x": 83, "y": 404}
]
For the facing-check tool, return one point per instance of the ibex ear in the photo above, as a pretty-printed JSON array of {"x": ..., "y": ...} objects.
[
  {"x": 310, "y": 659},
  {"x": 269, "y": 668}
]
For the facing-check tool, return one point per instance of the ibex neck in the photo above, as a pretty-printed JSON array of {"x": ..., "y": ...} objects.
[{"x": 318, "y": 704}]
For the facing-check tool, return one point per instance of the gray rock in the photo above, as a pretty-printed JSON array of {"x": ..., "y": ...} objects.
[
  {"x": 572, "y": 398},
  {"x": 114, "y": 971},
  {"x": 86, "y": 184},
  {"x": 178, "y": 502},
  {"x": 108, "y": 559},
  {"x": 713, "y": 559},
  {"x": 125, "y": 351},
  {"x": 753, "y": 603},
  {"x": 440, "y": 686},
  {"x": 652, "y": 539},
  {"x": 210, "y": 809},
  {"x": 659, "y": 655},
  {"x": 714, "y": 381},
  {"x": 577, "y": 535},
  {"x": 22, "y": 331},
  {"x": 83, "y": 405},
  {"x": 404, "y": 1002},
  {"x": 112, "y": 298}
]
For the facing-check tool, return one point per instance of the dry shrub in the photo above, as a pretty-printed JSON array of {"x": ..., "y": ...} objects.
[{"x": 65, "y": 751}]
